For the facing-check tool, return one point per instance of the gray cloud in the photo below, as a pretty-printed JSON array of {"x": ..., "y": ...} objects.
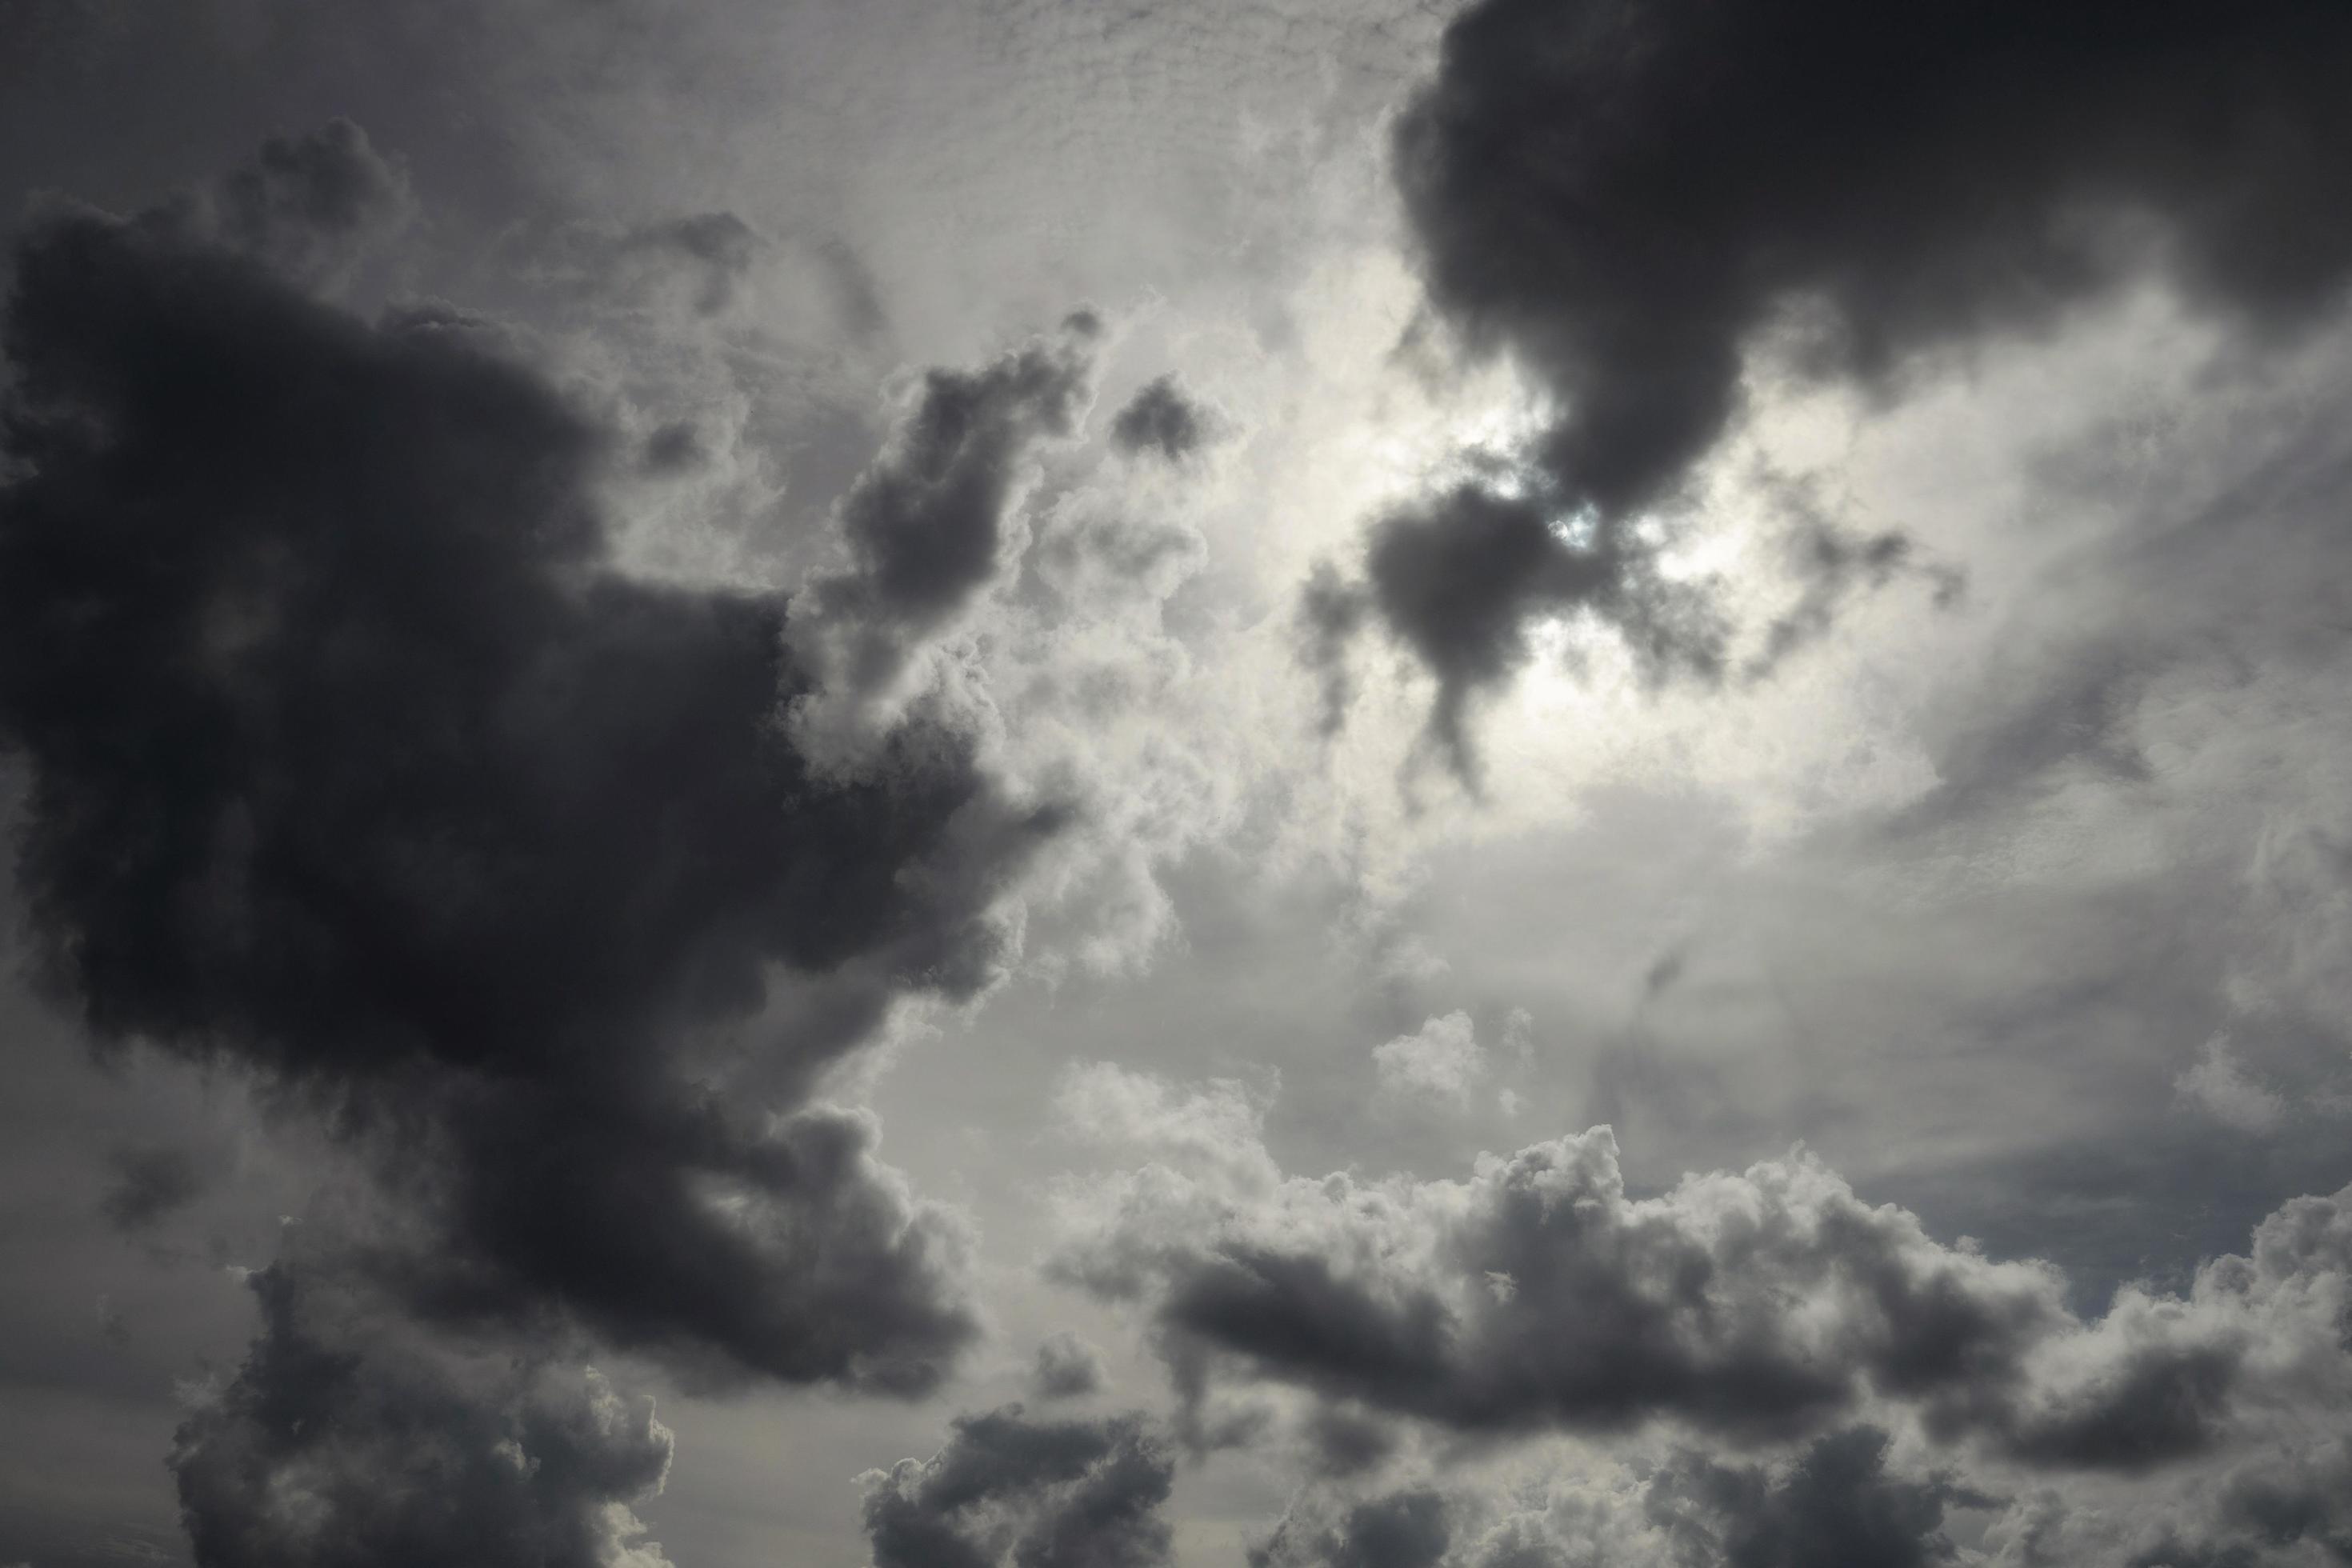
[
  {"x": 1160, "y": 419},
  {"x": 934, "y": 519},
  {"x": 345, "y": 1441},
  {"x": 1625, "y": 198},
  {"x": 1396, "y": 1530},
  {"x": 1629, "y": 200},
  {"x": 1835, "y": 1502},
  {"x": 351, "y": 762},
  {"x": 311, "y": 207},
  {"x": 1037, "y": 1493},
  {"x": 150, "y": 1183},
  {"x": 1540, "y": 1294},
  {"x": 1067, "y": 1367}
]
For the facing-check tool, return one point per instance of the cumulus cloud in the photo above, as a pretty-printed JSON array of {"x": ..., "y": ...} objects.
[
  {"x": 1538, "y": 1296},
  {"x": 353, "y": 762},
  {"x": 348, "y": 1440},
  {"x": 1009, "y": 1486}
]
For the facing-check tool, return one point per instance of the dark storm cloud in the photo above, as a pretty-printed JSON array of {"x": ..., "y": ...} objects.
[
  {"x": 1399, "y": 1530},
  {"x": 1624, "y": 194},
  {"x": 1835, "y": 1503},
  {"x": 343, "y": 1443},
  {"x": 1626, "y": 197},
  {"x": 1756, "y": 1307},
  {"x": 149, "y": 1184},
  {"x": 1161, "y": 419},
  {"x": 352, "y": 760},
  {"x": 1039, "y": 1494}
]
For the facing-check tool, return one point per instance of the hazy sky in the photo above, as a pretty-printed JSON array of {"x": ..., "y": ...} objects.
[{"x": 1326, "y": 784}]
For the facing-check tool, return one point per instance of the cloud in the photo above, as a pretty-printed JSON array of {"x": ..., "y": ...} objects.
[
  {"x": 310, "y": 206},
  {"x": 1625, "y": 198},
  {"x": 1067, "y": 1367},
  {"x": 1538, "y": 1296},
  {"x": 1633, "y": 203},
  {"x": 2220, "y": 1086},
  {"x": 353, "y": 762},
  {"x": 1042, "y": 1494},
  {"x": 1836, "y": 1499},
  {"x": 1442, "y": 1061},
  {"x": 932, "y": 523},
  {"x": 1397, "y": 1530},
  {"x": 346, "y": 1440},
  {"x": 1462, "y": 579},
  {"x": 1161, "y": 419},
  {"x": 150, "y": 1184}
]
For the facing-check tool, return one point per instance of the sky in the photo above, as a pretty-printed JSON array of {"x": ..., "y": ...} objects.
[{"x": 1339, "y": 783}]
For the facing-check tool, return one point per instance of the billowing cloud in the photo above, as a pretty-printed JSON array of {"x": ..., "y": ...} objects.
[
  {"x": 1011, "y": 1488},
  {"x": 352, "y": 760},
  {"x": 348, "y": 1440},
  {"x": 311, "y": 207},
  {"x": 933, "y": 521},
  {"x": 1538, "y": 1295},
  {"x": 1835, "y": 1500}
]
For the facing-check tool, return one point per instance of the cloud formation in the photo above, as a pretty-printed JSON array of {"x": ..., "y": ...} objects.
[
  {"x": 353, "y": 762},
  {"x": 1625, "y": 195},
  {"x": 348, "y": 1440},
  {"x": 1010, "y": 1487},
  {"x": 1160, "y": 419},
  {"x": 1631, "y": 201},
  {"x": 1766, "y": 1305}
]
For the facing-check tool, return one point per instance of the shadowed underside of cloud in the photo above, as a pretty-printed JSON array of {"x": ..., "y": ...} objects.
[
  {"x": 348, "y": 1441},
  {"x": 1834, "y": 1500},
  {"x": 1755, "y": 1307},
  {"x": 1628, "y": 197},
  {"x": 1160, "y": 419},
  {"x": 352, "y": 760},
  {"x": 1043, "y": 1494}
]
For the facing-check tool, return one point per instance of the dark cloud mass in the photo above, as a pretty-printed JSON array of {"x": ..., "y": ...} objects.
[
  {"x": 1835, "y": 1503},
  {"x": 1161, "y": 419},
  {"x": 1009, "y": 1487},
  {"x": 345, "y": 1442},
  {"x": 352, "y": 760},
  {"x": 934, "y": 519},
  {"x": 1629, "y": 196},
  {"x": 1461, "y": 579},
  {"x": 1624, "y": 194}
]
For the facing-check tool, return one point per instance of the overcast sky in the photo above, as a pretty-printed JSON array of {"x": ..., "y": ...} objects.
[{"x": 1345, "y": 784}]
